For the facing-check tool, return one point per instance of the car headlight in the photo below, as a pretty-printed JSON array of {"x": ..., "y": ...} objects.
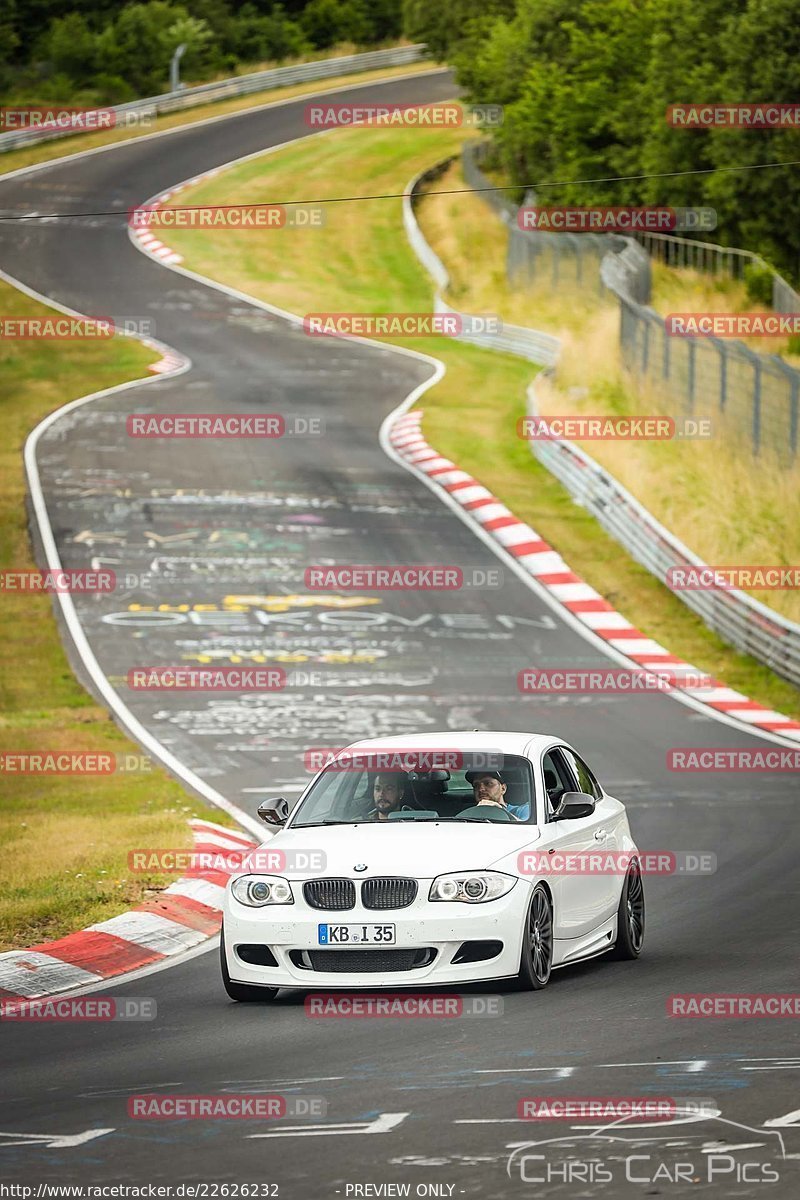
[
  {"x": 258, "y": 890},
  {"x": 474, "y": 887}
]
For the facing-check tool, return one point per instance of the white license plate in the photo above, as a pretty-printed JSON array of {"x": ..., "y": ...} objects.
[{"x": 356, "y": 935}]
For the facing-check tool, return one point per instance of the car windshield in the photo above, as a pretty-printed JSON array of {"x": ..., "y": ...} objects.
[{"x": 386, "y": 788}]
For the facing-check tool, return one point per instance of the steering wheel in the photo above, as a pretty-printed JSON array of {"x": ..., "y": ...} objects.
[{"x": 486, "y": 812}]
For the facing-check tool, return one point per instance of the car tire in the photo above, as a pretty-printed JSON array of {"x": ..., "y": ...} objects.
[
  {"x": 244, "y": 993},
  {"x": 536, "y": 958},
  {"x": 630, "y": 915}
]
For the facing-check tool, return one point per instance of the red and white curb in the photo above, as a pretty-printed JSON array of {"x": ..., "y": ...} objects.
[
  {"x": 547, "y": 566},
  {"x": 170, "y": 360},
  {"x": 147, "y": 241},
  {"x": 186, "y": 913}
]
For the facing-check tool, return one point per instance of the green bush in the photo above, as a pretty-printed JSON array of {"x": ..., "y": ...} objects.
[
  {"x": 112, "y": 89},
  {"x": 758, "y": 284},
  {"x": 110, "y": 48},
  {"x": 327, "y": 22}
]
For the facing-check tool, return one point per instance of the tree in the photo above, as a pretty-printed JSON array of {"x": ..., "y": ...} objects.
[
  {"x": 9, "y": 36},
  {"x": 326, "y": 22},
  {"x": 445, "y": 24}
]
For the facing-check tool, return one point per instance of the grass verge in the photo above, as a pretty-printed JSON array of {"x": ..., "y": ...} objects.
[
  {"x": 360, "y": 260},
  {"x": 64, "y": 839}
]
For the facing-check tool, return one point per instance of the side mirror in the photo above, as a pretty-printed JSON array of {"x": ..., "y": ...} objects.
[
  {"x": 274, "y": 812},
  {"x": 574, "y": 805}
]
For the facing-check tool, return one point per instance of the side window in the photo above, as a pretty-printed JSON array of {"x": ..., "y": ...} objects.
[
  {"x": 557, "y": 778},
  {"x": 586, "y": 780}
]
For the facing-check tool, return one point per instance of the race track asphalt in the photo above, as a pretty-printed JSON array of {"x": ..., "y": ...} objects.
[{"x": 198, "y": 522}]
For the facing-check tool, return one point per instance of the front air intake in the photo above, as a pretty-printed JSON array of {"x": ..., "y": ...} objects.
[
  {"x": 388, "y": 892},
  {"x": 330, "y": 895}
]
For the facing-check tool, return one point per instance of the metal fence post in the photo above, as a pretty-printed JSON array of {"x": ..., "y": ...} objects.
[
  {"x": 793, "y": 380},
  {"x": 665, "y": 353},
  {"x": 645, "y": 344},
  {"x": 756, "y": 424}
]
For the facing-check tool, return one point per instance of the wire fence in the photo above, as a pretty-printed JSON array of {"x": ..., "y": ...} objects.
[
  {"x": 223, "y": 89},
  {"x": 737, "y": 617},
  {"x": 747, "y": 396}
]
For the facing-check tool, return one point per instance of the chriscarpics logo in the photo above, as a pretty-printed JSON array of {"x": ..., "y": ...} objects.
[{"x": 690, "y": 1146}]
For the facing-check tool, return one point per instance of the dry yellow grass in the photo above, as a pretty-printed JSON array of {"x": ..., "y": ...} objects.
[
  {"x": 694, "y": 291},
  {"x": 711, "y": 493}
]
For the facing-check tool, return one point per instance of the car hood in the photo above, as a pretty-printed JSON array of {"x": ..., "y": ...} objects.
[{"x": 421, "y": 849}]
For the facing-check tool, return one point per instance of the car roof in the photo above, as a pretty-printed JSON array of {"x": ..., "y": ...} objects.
[{"x": 463, "y": 739}]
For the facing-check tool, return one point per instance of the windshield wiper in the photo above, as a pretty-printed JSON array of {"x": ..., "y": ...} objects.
[{"x": 317, "y": 824}]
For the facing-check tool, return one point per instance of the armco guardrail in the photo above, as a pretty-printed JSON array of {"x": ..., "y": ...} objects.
[
  {"x": 739, "y": 619},
  {"x": 223, "y": 89},
  {"x": 541, "y": 348}
]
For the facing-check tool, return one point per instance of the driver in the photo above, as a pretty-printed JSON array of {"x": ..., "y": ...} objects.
[
  {"x": 388, "y": 793},
  {"x": 488, "y": 787}
]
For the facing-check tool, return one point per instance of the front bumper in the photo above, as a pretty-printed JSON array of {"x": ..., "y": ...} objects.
[{"x": 441, "y": 927}]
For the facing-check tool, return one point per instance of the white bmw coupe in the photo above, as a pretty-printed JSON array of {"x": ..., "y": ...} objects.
[{"x": 443, "y": 858}]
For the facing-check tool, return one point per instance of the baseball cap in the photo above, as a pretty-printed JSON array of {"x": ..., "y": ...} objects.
[{"x": 471, "y": 776}]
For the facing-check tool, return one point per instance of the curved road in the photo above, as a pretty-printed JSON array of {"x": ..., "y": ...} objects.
[{"x": 200, "y": 524}]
